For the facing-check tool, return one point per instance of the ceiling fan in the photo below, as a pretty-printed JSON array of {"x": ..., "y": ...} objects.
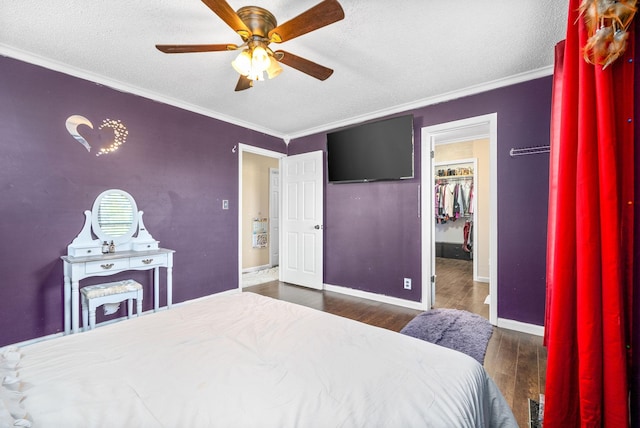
[{"x": 258, "y": 28}]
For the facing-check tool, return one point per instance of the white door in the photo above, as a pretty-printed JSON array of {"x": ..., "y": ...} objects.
[
  {"x": 274, "y": 216},
  {"x": 302, "y": 201}
]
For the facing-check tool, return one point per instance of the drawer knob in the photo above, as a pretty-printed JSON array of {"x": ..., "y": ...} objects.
[
  {"x": 147, "y": 261},
  {"x": 107, "y": 266}
]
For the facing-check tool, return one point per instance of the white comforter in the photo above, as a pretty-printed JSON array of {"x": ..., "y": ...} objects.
[{"x": 244, "y": 360}]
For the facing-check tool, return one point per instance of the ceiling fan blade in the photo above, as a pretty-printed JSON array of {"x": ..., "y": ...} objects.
[
  {"x": 229, "y": 16},
  {"x": 309, "y": 67},
  {"x": 243, "y": 83},
  {"x": 195, "y": 48},
  {"x": 324, "y": 13}
]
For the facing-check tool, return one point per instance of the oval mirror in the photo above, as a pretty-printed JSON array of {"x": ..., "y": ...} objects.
[{"x": 114, "y": 216}]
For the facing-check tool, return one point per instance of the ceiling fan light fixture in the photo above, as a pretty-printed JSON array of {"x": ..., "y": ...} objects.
[
  {"x": 260, "y": 58},
  {"x": 253, "y": 63},
  {"x": 257, "y": 76},
  {"x": 257, "y": 27},
  {"x": 274, "y": 68},
  {"x": 242, "y": 63}
]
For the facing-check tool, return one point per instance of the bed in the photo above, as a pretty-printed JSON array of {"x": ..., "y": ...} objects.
[{"x": 245, "y": 360}]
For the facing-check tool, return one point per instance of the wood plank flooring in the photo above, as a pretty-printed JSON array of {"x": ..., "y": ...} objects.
[{"x": 515, "y": 361}]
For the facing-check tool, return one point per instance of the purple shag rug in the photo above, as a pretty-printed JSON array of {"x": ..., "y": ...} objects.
[{"x": 452, "y": 328}]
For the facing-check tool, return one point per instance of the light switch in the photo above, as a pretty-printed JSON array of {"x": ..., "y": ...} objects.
[{"x": 225, "y": 204}]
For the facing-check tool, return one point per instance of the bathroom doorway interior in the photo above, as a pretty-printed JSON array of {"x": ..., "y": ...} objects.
[{"x": 258, "y": 215}]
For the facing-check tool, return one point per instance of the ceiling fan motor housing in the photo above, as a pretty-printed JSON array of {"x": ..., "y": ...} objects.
[{"x": 260, "y": 21}]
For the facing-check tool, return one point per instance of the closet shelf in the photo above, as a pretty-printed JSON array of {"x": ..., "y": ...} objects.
[{"x": 453, "y": 177}]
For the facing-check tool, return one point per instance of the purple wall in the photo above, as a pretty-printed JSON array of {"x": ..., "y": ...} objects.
[
  {"x": 178, "y": 166},
  {"x": 370, "y": 237},
  {"x": 372, "y": 232}
]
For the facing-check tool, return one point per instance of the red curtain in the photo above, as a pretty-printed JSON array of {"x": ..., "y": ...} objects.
[{"x": 590, "y": 237}]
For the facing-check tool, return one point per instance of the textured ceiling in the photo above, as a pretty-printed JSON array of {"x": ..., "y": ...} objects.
[{"x": 387, "y": 56}]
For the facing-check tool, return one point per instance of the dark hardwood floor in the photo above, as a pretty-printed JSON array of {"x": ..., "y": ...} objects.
[
  {"x": 515, "y": 361},
  {"x": 456, "y": 289}
]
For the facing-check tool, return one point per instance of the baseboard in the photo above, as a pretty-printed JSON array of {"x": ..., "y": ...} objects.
[
  {"x": 536, "y": 330},
  {"x": 375, "y": 297},
  {"x": 32, "y": 341},
  {"x": 256, "y": 268},
  {"x": 522, "y": 327},
  {"x": 481, "y": 279}
]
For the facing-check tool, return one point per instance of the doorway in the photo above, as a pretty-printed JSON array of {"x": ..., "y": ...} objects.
[
  {"x": 258, "y": 217},
  {"x": 451, "y": 133}
]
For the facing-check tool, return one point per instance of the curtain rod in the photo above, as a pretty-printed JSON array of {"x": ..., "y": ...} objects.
[{"x": 529, "y": 150}]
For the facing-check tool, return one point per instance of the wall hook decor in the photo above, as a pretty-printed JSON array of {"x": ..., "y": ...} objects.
[{"x": 607, "y": 23}]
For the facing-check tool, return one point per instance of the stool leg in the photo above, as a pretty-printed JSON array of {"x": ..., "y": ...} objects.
[
  {"x": 85, "y": 314},
  {"x": 92, "y": 316},
  {"x": 129, "y": 308},
  {"x": 139, "y": 305}
]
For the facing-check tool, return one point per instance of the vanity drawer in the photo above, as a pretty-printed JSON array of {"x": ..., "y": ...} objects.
[
  {"x": 107, "y": 265},
  {"x": 146, "y": 261}
]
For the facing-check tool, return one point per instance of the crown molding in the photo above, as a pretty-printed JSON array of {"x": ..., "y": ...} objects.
[
  {"x": 48, "y": 63},
  {"x": 31, "y": 58},
  {"x": 414, "y": 105}
]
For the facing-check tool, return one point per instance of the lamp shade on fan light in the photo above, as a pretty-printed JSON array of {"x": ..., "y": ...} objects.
[
  {"x": 253, "y": 63},
  {"x": 242, "y": 63}
]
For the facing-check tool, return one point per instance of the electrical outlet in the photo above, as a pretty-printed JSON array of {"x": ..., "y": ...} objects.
[{"x": 407, "y": 283}]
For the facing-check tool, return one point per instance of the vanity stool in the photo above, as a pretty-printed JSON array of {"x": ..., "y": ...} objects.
[{"x": 94, "y": 296}]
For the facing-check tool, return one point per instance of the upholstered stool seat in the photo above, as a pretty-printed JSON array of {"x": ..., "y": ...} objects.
[{"x": 94, "y": 296}]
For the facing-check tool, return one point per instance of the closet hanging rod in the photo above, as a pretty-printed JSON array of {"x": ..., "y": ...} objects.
[{"x": 529, "y": 150}]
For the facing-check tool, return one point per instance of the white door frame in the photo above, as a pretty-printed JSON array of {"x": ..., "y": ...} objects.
[
  {"x": 465, "y": 129},
  {"x": 242, "y": 148},
  {"x": 274, "y": 214}
]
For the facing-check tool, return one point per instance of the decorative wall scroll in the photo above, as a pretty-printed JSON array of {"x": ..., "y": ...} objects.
[{"x": 118, "y": 128}]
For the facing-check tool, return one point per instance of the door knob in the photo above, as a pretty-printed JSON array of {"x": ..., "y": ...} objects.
[{"x": 317, "y": 226}]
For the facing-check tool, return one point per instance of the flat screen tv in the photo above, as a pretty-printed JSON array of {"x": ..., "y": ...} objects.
[{"x": 381, "y": 150}]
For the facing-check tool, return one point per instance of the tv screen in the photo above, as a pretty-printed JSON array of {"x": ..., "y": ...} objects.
[{"x": 375, "y": 151}]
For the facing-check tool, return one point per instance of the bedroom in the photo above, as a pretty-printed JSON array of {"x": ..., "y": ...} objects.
[{"x": 180, "y": 166}]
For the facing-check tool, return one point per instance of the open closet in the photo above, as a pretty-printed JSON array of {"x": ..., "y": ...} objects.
[
  {"x": 454, "y": 209},
  {"x": 461, "y": 216}
]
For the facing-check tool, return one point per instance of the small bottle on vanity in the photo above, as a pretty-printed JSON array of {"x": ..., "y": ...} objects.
[
  {"x": 112, "y": 247},
  {"x": 105, "y": 247}
]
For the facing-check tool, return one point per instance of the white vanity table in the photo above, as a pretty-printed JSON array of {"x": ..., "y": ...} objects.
[{"x": 114, "y": 218}]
